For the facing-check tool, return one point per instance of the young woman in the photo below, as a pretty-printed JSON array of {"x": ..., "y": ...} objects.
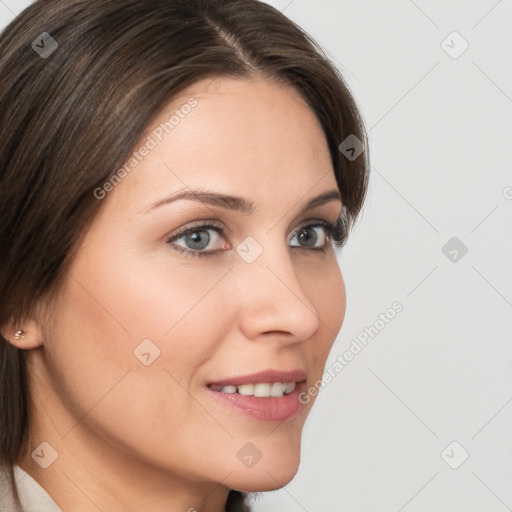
[{"x": 176, "y": 177}]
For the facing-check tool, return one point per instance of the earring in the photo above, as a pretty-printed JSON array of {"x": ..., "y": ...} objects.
[{"x": 19, "y": 335}]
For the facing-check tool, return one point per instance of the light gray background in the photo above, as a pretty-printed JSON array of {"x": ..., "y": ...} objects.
[{"x": 441, "y": 371}]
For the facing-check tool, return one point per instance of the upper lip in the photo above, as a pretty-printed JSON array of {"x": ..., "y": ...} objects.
[{"x": 268, "y": 376}]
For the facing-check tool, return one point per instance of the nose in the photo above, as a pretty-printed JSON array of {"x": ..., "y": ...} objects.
[{"x": 272, "y": 300}]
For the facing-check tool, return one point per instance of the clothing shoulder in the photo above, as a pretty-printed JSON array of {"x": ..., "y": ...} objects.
[
  {"x": 8, "y": 502},
  {"x": 32, "y": 497}
]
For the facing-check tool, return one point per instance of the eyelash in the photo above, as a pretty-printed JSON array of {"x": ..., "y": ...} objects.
[{"x": 333, "y": 232}]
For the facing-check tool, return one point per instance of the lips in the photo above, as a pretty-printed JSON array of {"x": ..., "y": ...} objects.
[
  {"x": 270, "y": 395},
  {"x": 267, "y": 376}
]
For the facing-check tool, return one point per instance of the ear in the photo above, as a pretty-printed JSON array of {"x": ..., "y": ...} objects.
[{"x": 31, "y": 336}]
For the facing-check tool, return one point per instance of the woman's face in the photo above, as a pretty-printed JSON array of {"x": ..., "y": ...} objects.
[{"x": 150, "y": 324}]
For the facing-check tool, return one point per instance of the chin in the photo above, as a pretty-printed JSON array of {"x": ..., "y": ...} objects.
[{"x": 268, "y": 477}]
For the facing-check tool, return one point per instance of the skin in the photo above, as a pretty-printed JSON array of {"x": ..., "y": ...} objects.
[{"x": 131, "y": 437}]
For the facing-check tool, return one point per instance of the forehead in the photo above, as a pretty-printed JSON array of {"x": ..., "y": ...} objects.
[{"x": 241, "y": 136}]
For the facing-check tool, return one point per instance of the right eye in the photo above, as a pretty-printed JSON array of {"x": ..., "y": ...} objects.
[{"x": 198, "y": 238}]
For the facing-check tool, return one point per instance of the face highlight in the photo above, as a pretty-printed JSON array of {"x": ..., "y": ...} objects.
[{"x": 206, "y": 278}]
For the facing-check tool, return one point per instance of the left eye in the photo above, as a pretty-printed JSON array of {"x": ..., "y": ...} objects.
[{"x": 308, "y": 235}]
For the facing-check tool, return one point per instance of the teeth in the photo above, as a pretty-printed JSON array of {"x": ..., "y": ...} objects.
[
  {"x": 261, "y": 390},
  {"x": 245, "y": 389},
  {"x": 277, "y": 389},
  {"x": 229, "y": 389},
  {"x": 290, "y": 386}
]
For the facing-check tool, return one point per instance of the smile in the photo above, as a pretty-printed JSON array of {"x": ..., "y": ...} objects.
[
  {"x": 261, "y": 390},
  {"x": 265, "y": 396}
]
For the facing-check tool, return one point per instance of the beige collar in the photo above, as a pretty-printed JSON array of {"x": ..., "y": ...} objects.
[{"x": 32, "y": 496}]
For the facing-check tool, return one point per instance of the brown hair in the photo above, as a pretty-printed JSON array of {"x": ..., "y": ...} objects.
[{"x": 68, "y": 122}]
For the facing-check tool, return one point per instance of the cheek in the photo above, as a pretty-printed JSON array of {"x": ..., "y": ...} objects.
[
  {"x": 326, "y": 290},
  {"x": 100, "y": 320},
  {"x": 150, "y": 295},
  {"x": 334, "y": 301},
  {"x": 105, "y": 323}
]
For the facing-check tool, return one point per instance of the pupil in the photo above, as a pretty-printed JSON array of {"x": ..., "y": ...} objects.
[
  {"x": 196, "y": 240},
  {"x": 309, "y": 239}
]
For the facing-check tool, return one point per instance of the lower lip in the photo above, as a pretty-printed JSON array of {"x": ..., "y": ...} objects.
[{"x": 262, "y": 408}]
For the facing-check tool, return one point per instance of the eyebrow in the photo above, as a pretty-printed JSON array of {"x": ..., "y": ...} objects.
[{"x": 238, "y": 203}]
